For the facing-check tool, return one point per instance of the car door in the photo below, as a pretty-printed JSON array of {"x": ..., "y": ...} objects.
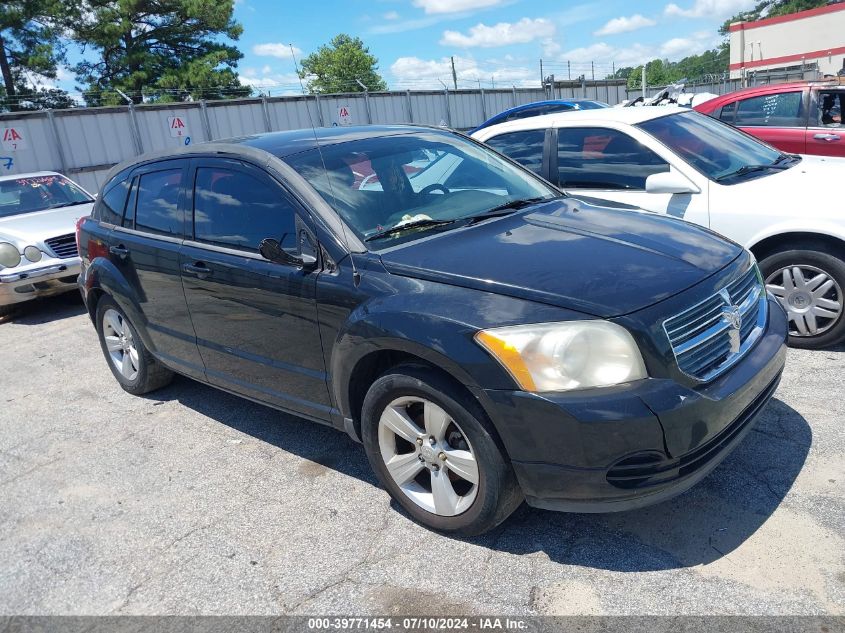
[
  {"x": 779, "y": 119},
  {"x": 145, "y": 248},
  {"x": 610, "y": 164},
  {"x": 826, "y": 128},
  {"x": 255, "y": 319}
]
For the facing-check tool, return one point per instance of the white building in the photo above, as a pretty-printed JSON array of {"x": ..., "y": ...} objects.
[{"x": 816, "y": 36}]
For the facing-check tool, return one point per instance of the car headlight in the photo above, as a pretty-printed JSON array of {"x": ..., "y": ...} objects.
[
  {"x": 565, "y": 356},
  {"x": 32, "y": 253},
  {"x": 9, "y": 255}
]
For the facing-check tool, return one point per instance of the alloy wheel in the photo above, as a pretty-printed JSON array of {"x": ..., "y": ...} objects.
[
  {"x": 428, "y": 456},
  {"x": 811, "y": 297},
  {"x": 120, "y": 344}
]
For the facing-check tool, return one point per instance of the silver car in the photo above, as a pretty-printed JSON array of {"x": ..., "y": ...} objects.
[{"x": 38, "y": 214}]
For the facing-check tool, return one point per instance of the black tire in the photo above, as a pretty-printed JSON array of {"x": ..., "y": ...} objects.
[
  {"x": 822, "y": 258},
  {"x": 6, "y": 311},
  {"x": 498, "y": 493},
  {"x": 151, "y": 374}
]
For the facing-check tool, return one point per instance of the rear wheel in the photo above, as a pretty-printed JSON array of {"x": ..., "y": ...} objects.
[
  {"x": 809, "y": 284},
  {"x": 133, "y": 366},
  {"x": 431, "y": 448}
]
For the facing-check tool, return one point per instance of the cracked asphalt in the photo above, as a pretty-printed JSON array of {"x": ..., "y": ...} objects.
[{"x": 192, "y": 501}]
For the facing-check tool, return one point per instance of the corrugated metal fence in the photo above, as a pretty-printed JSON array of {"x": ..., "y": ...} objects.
[{"x": 85, "y": 142}]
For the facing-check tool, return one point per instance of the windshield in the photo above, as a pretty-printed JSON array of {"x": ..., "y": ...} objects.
[
  {"x": 716, "y": 149},
  {"x": 427, "y": 179},
  {"x": 25, "y": 195}
]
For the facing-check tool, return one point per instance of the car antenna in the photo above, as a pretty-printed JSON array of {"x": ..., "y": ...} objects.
[{"x": 356, "y": 276}]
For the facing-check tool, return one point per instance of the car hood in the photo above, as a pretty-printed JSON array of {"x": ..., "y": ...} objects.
[
  {"x": 597, "y": 260},
  {"x": 35, "y": 227},
  {"x": 805, "y": 186}
]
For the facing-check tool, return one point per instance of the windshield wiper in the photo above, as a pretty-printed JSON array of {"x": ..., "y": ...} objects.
[
  {"x": 408, "y": 225},
  {"x": 66, "y": 204},
  {"x": 507, "y": 208},
  {"x": 748, "y": 169}
]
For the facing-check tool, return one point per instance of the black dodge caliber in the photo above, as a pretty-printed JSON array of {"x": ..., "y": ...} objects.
[{"x": 487, "y": 339}]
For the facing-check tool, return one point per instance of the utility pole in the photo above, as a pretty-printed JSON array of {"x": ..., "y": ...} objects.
[
  {"x": 593, "y": 70},
  {"x": 569, "y": 70},
  {"x": 644, "y": 84},
  {"x": 542, "y": 76},
  {"x": 454, "y": 74}
]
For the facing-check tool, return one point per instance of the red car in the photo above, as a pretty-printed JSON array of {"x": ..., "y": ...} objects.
[{"x": 800, "y": 118}]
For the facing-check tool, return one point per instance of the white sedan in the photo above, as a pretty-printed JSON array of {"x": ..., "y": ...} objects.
[
  {"x": 38, "y": 257},
  {"x": 786, "y": 209}
]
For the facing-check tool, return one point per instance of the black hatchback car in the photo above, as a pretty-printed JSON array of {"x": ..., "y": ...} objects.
[{"x": 487, "y": 339}]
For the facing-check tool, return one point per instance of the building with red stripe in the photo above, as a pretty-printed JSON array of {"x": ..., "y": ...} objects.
[{"x": 807, "y": 38}]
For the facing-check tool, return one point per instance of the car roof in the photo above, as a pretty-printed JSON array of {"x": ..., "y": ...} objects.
[
  {"x": 631, "y": 116},
  {"x": 291, "y": 142},
  {"x": 31, "y": 174}
]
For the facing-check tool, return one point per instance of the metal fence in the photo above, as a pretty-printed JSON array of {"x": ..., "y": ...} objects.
[{"x": 84, "y": 143}]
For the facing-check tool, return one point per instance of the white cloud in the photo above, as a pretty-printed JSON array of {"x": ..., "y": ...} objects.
[
  {"x": 454, "y": 6},
  {"x": 268, "y": 81},
  {"x": 696, "y": 43},
  {"x": 604, "y": 54},
  {"x": 501, "y": 34},
  {"x": 391, "y": 15},
  {"x": 416, "y": 73},
  {"x": 275, "y": 49},
  {"x": 625, "y": 25},
  {"x": 710, "y": 8}
]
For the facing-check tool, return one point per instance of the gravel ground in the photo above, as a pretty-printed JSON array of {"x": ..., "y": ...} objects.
[{"x": 193, "y": 501}]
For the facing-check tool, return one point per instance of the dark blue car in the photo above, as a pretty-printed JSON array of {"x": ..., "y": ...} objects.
[
  {"x": 487, "y": 339},
  {"x": 542, "y": 107}
]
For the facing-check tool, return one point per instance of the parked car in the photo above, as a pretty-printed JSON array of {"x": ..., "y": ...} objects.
[
  {"x": 542, "y": 107},
  {"x": 673, "y": 161},
  {"x": 803, "y": 118},
  {"x": 38, "y": 257},
  {"x": 487, "y": 338}
]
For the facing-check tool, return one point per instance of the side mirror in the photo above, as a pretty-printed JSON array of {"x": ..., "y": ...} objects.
[
  {"x": 669, "y": 182},
  {"x": 271, "y": 249}
]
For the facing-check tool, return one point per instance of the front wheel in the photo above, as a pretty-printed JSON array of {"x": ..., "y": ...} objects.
[
  {"x": 809, "y": 284},
  {"x": 431, "y": 448}
]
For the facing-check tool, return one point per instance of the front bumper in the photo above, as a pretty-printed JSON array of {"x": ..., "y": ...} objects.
[
  {"x": 605, "y": 450},
  {"x": 49, "y": 277}
]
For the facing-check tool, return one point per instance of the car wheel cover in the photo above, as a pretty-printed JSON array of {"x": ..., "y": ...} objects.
[
  {"x": 428, "y": 456},
  {"x": 120, "y": 344},
  {"x": 811, "y": 297}
]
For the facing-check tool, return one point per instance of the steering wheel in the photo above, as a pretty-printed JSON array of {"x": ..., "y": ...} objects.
[{"x": 434, "y": 187}]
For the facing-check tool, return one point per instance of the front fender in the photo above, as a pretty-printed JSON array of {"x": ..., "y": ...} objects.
[{"x": 435, "y": 322}]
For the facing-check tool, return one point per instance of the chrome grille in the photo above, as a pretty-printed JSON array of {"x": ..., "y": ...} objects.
[
  {"x": 63, "y": 246},
  {"x": 714, "y": 334}
]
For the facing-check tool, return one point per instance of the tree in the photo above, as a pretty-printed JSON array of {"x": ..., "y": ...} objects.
[
  {"x": 336, "y": 67},
  {"x": 158, "y": 50},
  {"x": 30, "y": 49}
]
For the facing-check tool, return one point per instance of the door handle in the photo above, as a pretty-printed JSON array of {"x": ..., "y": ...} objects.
[
  {"x": 120, "y": 251},
  {"x": 826, "y": 137},
  {"x": 199, "y": 269}
]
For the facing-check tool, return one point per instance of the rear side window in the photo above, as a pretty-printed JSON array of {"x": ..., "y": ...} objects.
[
  {"x": 524, "y": 147},
  {"x": 235, "y": 209},
  {"x": 157, "y": 204},
  {"x": 779, "y": 110},
  {"x": 601, "y": 158},
  {"x": 727, "y": 113},
  {"x": 113, "y": 202}
]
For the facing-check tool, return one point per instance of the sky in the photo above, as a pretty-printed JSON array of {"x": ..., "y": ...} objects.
[{"x": 498, "y": 43}]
